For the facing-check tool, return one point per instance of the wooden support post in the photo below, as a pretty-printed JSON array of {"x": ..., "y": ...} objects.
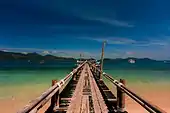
[
  {"x": 55, "y": 98},
  {"x": 95, "y": 70},
  {"x": 74, "y": 76},
  {"x": 101, "y": 61},
  {"x": 121, "y": 98}
]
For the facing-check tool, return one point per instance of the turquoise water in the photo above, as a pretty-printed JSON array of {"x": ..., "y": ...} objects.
[
  {"x": 141, "y": 76},
  {"x": 12, "y": 81},
  {"x": 18, "y": 77},
  {"x": 19, "y": 86},
  {"x": 16, "y": 82}
]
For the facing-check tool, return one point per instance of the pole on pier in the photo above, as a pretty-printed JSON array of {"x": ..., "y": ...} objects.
[
  {"x": 75, "y": 76},
  {"x": 121, "y": 98},
  {"x": 101, "y": 62},
  {"x": 55, "y": 98},
  {"x": 94, "y": 68},
  {"x": 80, "y": 56}
]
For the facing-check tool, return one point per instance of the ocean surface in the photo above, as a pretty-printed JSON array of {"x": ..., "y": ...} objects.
[
  {"x": 18, "y": 77},
  {"x": 19, "y": 83}
]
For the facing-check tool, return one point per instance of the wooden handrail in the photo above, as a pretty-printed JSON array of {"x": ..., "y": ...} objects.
[
  {"x": 137, "y": 98},
  {"x": 147, "y": 105},
  {"x": 41, "y": 100}
]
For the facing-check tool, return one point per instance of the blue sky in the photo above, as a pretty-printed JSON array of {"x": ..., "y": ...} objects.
[{"x": 132, "y": 28}]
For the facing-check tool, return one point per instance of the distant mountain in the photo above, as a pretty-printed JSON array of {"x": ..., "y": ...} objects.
[
  {"x": 30, "y": 56},
  {"x": 132, "y": 58},
  {"x": 34, "y": 60},
  {"x": 12, "y": 59},
  {"x": 136, "y": 63}
]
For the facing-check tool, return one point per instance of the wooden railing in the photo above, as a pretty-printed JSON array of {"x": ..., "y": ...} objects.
[
  {"x": 39, "y": 102},
  {"x": 143, "y": 102}
]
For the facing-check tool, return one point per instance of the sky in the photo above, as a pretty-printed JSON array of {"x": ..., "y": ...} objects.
[{"x": 132, "y": 28}]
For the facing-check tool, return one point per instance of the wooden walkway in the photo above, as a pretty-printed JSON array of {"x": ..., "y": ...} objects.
[
  {"x": 87, "y": 87},
  {"x": 83, "y": 91},
  {"x": 78, "y": 98},
  {"x": 98, "y": 101}
]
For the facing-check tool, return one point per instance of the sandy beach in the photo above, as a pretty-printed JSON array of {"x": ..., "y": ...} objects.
[
  {"x": 20, "y": 96},
  {"x": 156, "y": 94}
]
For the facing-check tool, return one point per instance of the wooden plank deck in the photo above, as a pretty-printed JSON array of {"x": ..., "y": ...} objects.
[
  {"x": 75, "y": 105},
  {"x": 86, "y": 87},
  {"x": 85, "y": 104},
  {"x": 98, "y": 101}
]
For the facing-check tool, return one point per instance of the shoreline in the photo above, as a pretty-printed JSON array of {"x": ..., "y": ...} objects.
[{"x": 149, "y": 92}]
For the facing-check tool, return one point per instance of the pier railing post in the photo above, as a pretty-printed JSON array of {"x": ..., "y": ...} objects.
[
  {"x": 95, "y": 70},
  {"x": 74, "y": 76},
  {"x": 121, "y": 98},
  {"x": 55, "y": 98}
]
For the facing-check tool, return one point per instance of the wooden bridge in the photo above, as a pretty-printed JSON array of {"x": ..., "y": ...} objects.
[{"x": 84, "y": 91}]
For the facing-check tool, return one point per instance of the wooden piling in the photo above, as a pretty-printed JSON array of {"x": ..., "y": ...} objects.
[
  {"x": 121, "y": 98},
  {"x": 54, "y": 99},
  {"x": 74, "y": 76},
  {"x": 101, "y": 62}
]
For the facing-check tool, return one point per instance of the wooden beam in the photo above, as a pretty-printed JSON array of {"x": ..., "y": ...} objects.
[
  {"x": 66, "y": 99},
  {"x": 101, "y": 62},
  {"x": 75, "y": 105},
  {"x": 54, "y": 98},
  {"x": 98, "y": 101},
  {"x": 121, "y": 98},
  {"x": 85, "y": 104}
]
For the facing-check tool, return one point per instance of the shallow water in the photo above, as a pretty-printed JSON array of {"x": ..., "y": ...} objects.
[
  {"x": 141, "y": 76},
  {"x": 13, "y": 79},
  {"x": 22, "y": 86}
]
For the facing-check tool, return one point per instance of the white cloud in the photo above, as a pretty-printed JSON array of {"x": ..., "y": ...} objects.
[
  {"x": 159, "y": 42},
  {"x": 114, "y": 22},
  {"x": 24, "y": 52},
  {"x": 159, "y": 54},
  {"x": 46, "y": 52},
  {"x": 54, "y": 51},
  {"x": 5, "y": 50},
  {"x": 115, "y": 40},
  {"x": 130, "y": 53},
  {"x": 128, "y": 41}
]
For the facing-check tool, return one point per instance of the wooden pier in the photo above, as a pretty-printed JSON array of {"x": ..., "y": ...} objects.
[{"x": 83, "y": 91}]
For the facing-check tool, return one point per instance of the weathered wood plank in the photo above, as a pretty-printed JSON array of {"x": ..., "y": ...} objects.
[
  {"x": 98, "y": 101},
  {"x": 75, "y": 104},
  {"x": 57, "y": 108},
  {"x": 67, "y": 99},
  {"x": 80, "y": 102},
  {"x": 85, "y": 104}
]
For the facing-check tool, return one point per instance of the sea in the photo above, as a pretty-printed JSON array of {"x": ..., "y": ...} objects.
[{"x": 17, "y": 82}]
